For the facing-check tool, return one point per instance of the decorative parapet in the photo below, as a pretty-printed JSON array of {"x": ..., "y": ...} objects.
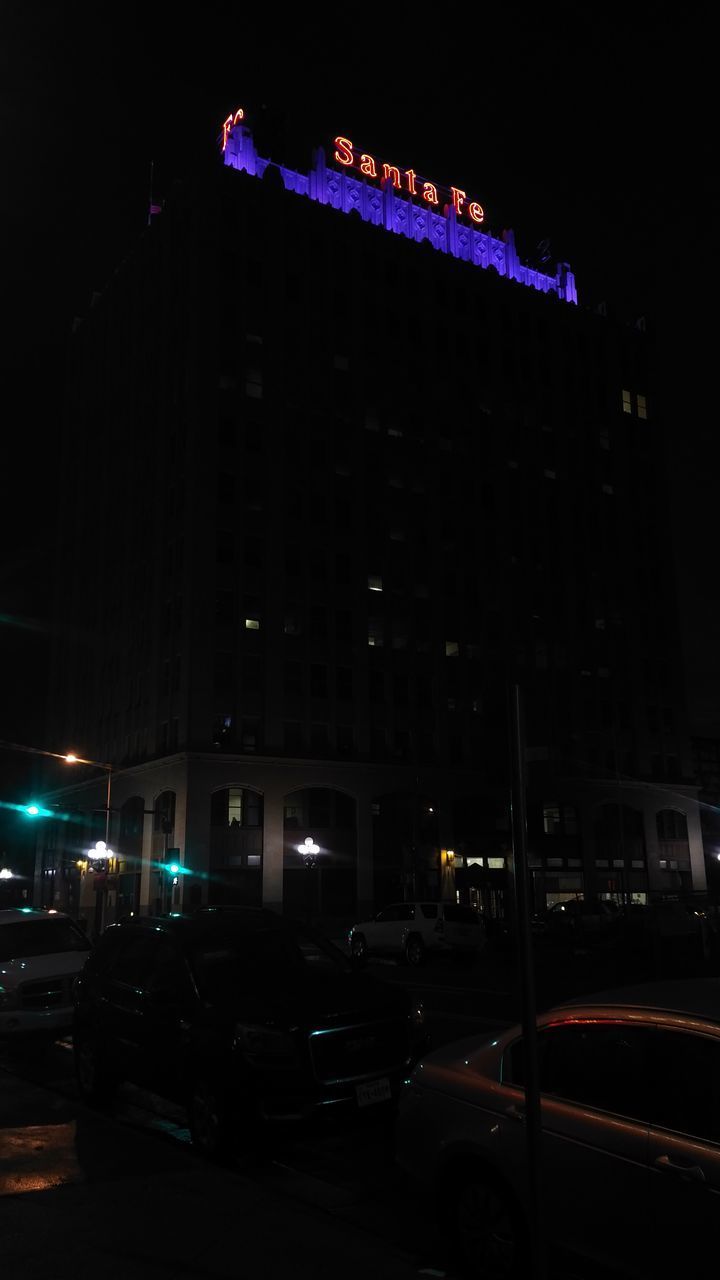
[{"x": 384, "y": 207}]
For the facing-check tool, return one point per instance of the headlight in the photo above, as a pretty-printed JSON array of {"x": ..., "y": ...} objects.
[{"x": 264, "y": 1046}]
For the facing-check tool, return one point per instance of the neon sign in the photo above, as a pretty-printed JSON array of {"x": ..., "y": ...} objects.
[
  {"x": 229, "y": 125},
  {"x": 405, "y": 180},
  {"x": 398, "y": 200}
]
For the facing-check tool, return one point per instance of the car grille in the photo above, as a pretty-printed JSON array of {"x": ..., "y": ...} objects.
[
  {"x": 351, "y": 1053},
  {"x": 47, "y": 993}
]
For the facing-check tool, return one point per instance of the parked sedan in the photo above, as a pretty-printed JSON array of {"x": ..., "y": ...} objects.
[
  {"x": 630, "y": 1151},
  {"x": 244, "y": 1018},
  {"x": 408, "y": 930}
]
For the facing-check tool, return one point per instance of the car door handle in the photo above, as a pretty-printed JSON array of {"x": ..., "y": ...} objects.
[
  {"x": 690, "y": 1172},
  {"x": 516, "y": 1113}
]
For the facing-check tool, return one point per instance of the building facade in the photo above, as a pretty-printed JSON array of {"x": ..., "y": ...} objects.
[{"x": 339, "y": 469}]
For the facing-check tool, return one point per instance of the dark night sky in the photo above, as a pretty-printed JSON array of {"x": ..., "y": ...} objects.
[{"x": 592, "y": 133}]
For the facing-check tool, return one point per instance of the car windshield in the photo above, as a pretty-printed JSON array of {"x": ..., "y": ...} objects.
[
  {"x": 264, "y": 958},
  {"x": 40, "y": 938},
  {"x": 461, "y": 915}
]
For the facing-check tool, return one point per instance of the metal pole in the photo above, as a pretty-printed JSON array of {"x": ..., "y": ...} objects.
[{"x": 526, "y": 976}]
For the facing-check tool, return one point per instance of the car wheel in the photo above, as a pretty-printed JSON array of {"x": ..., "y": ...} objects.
[
  {"x": 488, "y": 1233},
  {"x": 358, "y": 948},
  {"x": 208, "y": 1120},
  {"x": 95, "y": 1081},
  {"x": 414, "y": 950}
]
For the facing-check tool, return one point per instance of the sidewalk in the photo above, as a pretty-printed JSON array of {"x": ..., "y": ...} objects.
[{"x": 128, "y": 1204}]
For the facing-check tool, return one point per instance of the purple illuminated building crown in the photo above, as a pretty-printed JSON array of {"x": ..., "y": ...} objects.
[{"x": 384, "y": 207}]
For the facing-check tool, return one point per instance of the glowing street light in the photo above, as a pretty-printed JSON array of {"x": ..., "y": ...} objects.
[
  {"x": 100, "y": 852},
  {"x": 308, "y": 849},
  {"x": 6, "y": 874}
]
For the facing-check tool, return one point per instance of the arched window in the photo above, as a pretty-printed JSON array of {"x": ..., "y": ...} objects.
[
  {"x": 164, "y": 819},
  {"x": 672, "y": 825}
]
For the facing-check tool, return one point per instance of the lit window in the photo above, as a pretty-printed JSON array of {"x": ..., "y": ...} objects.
[
  {"x": 641, "y": 407},
  {"x": 375, "y": 633},
  {"x": 374, "y": 582},
  {"x": 452, "y": 649},
  {"x": 235, "y": 806},
  {"x": 626, "y": 402},
  {"x": 252, "y": 624},
  {"x": 254, "y": 859},
  {"x": 551, "y": 819},
  {"x": 394, "y": 431},
  {"x": 495, "y": 864}
]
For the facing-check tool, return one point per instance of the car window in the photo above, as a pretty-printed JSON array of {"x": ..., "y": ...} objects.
[
  {"x": 603, "y": 1065},
  {"x": 686, "y": 1093},
  {"x": 133, "y": 963},
  {"x": 167, "y": 972},
  {"x": 461, "y": 915},
  {"x": 40, "y": 938},
  {"x": 399, "y": 911},
  {"x": 266, "y": 958},
  {"x": 429, "y": 910}
]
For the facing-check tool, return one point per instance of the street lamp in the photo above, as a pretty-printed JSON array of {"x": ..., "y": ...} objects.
[
  {"x": 308, "y": 849},
  {"x": 6, "y": 873}
]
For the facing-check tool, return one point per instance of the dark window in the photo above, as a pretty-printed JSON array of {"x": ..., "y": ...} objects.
[
  {"x": 293, "y": 680},
  {"x": 598, "y": 1065},
  {"x": 398, "y": 911},
  {"x": 293, "y": 736},
  {"x": 344, "y": 683},
  {"x": 40, "y": 937},
  {"x": 687, "y": 1093},
  {"x": 134, "y": 962},
  {"x": 318, "y": 680}
]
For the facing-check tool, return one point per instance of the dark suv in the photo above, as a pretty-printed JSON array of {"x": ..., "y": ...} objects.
[{"x": 242, "y": 1017}]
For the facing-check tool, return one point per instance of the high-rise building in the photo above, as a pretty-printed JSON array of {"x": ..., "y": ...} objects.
[{"x": 338, "y": 470}]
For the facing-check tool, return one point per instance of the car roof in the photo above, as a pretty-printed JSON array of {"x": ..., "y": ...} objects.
[
  {"x": 699, "y": 997},
  {"x": 207, "y": 923},
  {"x": 16, "y": 915}
]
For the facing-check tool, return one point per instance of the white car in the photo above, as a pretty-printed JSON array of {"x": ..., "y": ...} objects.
[
  {"x": 407, "y": 930},
  {"x": 40, "y": 954}
]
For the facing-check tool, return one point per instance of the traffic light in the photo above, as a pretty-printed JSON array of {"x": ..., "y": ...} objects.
[{"x": 34, "y": 810}]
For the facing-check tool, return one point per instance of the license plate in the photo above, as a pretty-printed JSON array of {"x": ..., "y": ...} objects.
[{"x": 377, "y": 1091}]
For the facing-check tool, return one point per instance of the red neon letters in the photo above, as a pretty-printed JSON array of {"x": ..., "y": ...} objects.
[
  {"x": 229, "y": 124},
  {"x": 404, "y": 179}
]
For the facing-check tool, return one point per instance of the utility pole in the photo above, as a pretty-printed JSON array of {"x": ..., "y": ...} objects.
[{"x": 532, "y": 1115}]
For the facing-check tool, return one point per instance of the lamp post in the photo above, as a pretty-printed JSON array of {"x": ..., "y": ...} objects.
[
  {"x": 102, "y": 851},
  {"x": 308, "y": 851}
]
